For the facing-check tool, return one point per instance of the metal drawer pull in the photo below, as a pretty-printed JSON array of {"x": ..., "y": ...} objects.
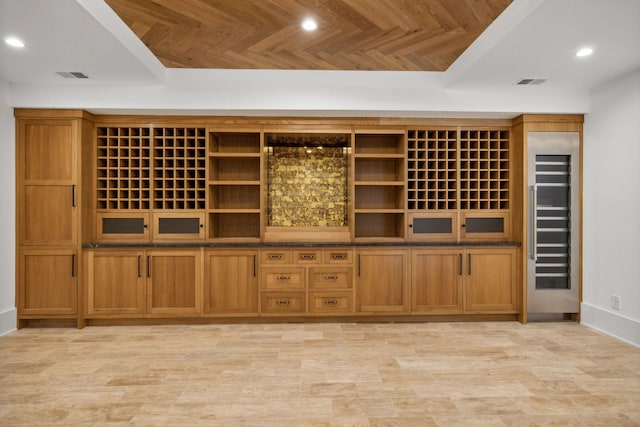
[
  {"x": 283, "y": 277},
  {"x": 275, "y": 257},
  {"x": 330, "y": 302},
  {"x": 283, "y": 302},
  {"x": 338, "y": 256},
  {"x": 330, "y": 277},
  {"x": 307, "y": 256}
]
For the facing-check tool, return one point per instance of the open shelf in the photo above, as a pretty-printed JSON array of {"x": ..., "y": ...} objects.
[
  {"x": 234, "y": 225},
  {"x": 379, "y": 185},
  {"x": 234, "y": 186}
]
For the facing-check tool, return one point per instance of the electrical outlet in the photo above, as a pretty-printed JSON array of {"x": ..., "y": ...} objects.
[{"x": 615, "y": 302}]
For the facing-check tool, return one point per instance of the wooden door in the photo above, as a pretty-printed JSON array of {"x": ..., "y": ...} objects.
[
  {"x": 436, "y": 281},
  {"x": 231, "y": 282},
  {"x": 47, "y": 178},
  {"x": 490, "y": 280},
  {"x": 116, "y": 282},
  {"x": 173, "y": 282},
  {"x": 382, "y": 281},
  {"x": 48, "y": 282}
]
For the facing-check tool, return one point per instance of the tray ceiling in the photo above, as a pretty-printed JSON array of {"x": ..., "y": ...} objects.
[{"x": 400, "y": 35}]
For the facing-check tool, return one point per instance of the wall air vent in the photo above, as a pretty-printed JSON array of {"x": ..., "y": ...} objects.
[
  {"x": 531, "y": 81},
  {"x": 72, "y": 74}
]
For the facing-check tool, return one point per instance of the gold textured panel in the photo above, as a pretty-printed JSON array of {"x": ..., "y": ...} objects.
[
  {"x": 416, "y": 35},
  {"x": 307, "y": 186}
]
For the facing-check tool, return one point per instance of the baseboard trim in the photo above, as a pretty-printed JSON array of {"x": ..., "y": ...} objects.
[
  {"x": 613, "y": 324},
  {"x": 8, "y": 321}
]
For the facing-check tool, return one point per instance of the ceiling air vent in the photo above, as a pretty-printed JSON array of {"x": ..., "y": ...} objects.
[
  {"x": 72, "y": 74},
  {"x": 531, "y": 81}
]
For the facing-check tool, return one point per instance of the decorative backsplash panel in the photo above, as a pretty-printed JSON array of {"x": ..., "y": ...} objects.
[{"x": 307, "y": 185}]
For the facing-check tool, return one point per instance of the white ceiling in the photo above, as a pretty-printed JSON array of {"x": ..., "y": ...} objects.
[{"x": 531, "y": 39}]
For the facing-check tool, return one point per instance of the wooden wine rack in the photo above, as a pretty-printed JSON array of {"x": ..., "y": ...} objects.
[
  {"x": 123, "y": 168},
  {"x": 484, "y": 169},
  {"x": 432, "y": 169},
  {"x": 179, "y": 168}
]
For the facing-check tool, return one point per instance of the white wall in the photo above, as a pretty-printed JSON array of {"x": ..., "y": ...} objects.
[
  {"x": 7, "y": 213},
  {"x": 611, "y": 227}
]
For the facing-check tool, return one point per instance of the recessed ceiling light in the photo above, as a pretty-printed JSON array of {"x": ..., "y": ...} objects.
[
  {"x": 14, "y": 41},
  {"x": 309, "y": 24},
  {"x": 585, "y": 51}
]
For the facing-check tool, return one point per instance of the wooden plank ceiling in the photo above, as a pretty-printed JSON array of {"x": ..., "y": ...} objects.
[{"x": 407, "y": 35}]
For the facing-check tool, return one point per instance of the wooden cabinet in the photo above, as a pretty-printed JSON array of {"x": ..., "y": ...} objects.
[
  {"x": 306, "y": 281},
  {"x": 436, "y": 281},
  {"x": 459, "y": 184},
  {"x": 138, "y": 282},
  {"x": 231, "y": 282},
  {"x": 469, "y": 280},
  {"x": 48, "y": 209},
  {"x": 116, "y": 282},
  {"x": 490, "y": 283},
  {"x": 150, "y": 183},
  {"x": 48, "y": 282},
  {"x": 382, "y": 281},
  {"x": 47, "y": 178}
]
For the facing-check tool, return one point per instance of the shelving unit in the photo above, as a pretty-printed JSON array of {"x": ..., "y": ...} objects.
[
  {"x": 484, "y": 169},
  {"x": 235, "y": 178},
  {"x": 179, "y": 168},
  {"x": 379, "y": 185},
  {"x": 432, "y": 166},
  {"x": 123, "y": 168}
]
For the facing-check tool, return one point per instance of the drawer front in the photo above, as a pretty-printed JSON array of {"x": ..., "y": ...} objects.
[
  {"x": 282, "y": 302},
  {"x": 283, "y": 278},
  {"x": 331, "y": 278},
  {"x": 275, "y": 257},
  {"x": 338, "y": 256},
  {"x": 311, "y": 256},
  {"x": 331, "y": 302}
]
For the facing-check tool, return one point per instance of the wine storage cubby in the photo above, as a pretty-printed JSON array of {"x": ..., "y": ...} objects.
[
  {"x": 484, "y": 169},
  {"x": 432, "y": 157},
  {"x": 123, "y": 168},
  {"x": 179, "y": 168}
]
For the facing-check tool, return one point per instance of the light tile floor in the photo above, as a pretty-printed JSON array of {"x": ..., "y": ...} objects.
[{"x": 413, "y": 374}]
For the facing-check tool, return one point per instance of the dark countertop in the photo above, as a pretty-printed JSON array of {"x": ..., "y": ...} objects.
[{"x": 293, "y": 244}]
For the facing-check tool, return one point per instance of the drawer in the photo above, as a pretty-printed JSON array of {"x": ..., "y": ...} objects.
[
  {"x": 275, "y": 257},
  {"x": 338, "y": 256},
  {"x": 330, "y": 277},
  {"x": 331, "y": 302},
  {"x": 283, "y": 278},
  {"x": 311, "y": 256},
  {"x": 282, "y": 302}
]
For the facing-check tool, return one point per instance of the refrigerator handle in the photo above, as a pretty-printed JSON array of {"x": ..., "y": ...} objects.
[{"x": 534, "y": 222}]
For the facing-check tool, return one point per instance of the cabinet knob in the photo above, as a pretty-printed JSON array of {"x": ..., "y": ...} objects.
[
  {"x": 330, "y": 302},
  {"x": 283, "y": 302}
]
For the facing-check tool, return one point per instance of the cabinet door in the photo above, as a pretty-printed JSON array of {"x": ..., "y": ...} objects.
[
  {"x": 47, "y": 158},
  {"x": 382, "y": 284},
  {"x": 490, "y": 283},
  {"x": 116, "y": 283},
  {"x": 173, "y": 282},
  {"x": 231, "y": 282},
  {"x": 436, "y": 281},
  {"x": 47, "y": 282},
  {"x": 48, "y": 215}
]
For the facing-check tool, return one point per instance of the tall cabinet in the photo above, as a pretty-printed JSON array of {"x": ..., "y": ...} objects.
[{"x": 48, "y": 202}]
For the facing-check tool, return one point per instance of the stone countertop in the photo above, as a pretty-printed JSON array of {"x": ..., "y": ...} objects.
[{"x": 95, "y": 245}]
